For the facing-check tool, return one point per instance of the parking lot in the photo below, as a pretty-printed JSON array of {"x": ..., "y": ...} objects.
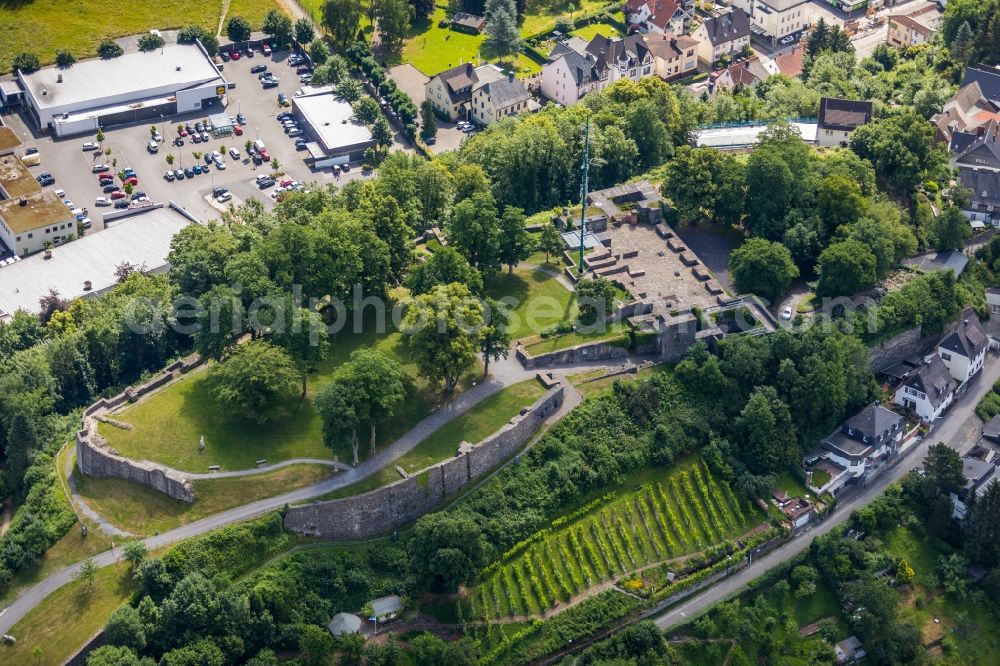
[{"x": 72, "y": 166}]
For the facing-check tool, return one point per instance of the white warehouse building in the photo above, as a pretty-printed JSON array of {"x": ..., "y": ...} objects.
[{"x": 133, "y": 87}]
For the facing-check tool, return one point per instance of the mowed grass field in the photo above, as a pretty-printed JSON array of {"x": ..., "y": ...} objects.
[
  {"x": 473, "y": 426},
  {"x": 42, "y": 26},
  {"x": 144, "y": 511},
  {"x": 541, "y": 299}
]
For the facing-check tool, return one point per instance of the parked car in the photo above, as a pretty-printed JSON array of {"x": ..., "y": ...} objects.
[
  {"x": 305, "y": 78},
  {"x": 138, "y": 194},
  {"x": 129, "y": 173},
  {"x": 257, "y": 159},
  {"x": 168, "y": 175},
  {"x": 295, "y": 131},
  {"x": 102, "y": 201},
  {"x": 179, "y": 174},
  {"x": 121, "y": 203},
  {"x": 205, "y": 137},
  {"x": 105, "y": 179},
  {"x": 264, "y": 75},
  {"x": 220, "y": 165},
  {"x": 157, "y": 136},
  {"x": 300, "y": 144},
  {"x": 237, "y": 130},
  {"x": 284, "y": 115},
  {"x": 264, "y": 155},
  {"x": 110, "y": 187},
  {"x": 786, "y": 313},
  {"x": 189, "y": 172},
  {"x": 269, "y": 83},
  {"x": 225, "y": 55},
  {"x": 235, "y": 154},
  {"x": 235, "y": 55},
  {"x": 213, "y": 156},
  {"x": 257, "y": 69},
  {"x": 787, "y": 39},
  {"x": 265, "y": 48},
  {"x": 46, "y": 179},
  {"x": 89, "y": 145},
  {"x": 199, "y": 169},
  {"x": 199, "y": 127},
  {"x": 178, "y": 141},
  {"x": 282, "y": 98},
  {"x": 87, "y": 223},
  {"x": 241, "y": 119},
  {"x": 304, "y": 69},
  {"x": 30, "y": 151},
  {"x": 195, "y": 138},
  {"x": 181, "y": 131},
  {"x": 117, "y": 194},
  {"x": 133, "y": 181},
  {"x": 100, "y": 168}
]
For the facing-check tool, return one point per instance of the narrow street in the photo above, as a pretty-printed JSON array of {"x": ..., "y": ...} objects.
[{"x": 959, "y": 428}]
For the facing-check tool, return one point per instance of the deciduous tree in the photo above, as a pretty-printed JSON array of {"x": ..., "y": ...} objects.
[
  {"x": 446, "y": 551},
  {"x": 238, "y": 29},
  {"x": 845, "y": 268},
  {"x": 304, "y": 31},
  {"x": 762, "y": 267},
  {"x": 341, "y": 18},
  {"x": 444, "y": 330},
  {"x": 256, "y": 381}
]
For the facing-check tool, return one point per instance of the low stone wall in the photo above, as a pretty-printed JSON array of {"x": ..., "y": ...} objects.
[
  {"x": 403, "y": 502},
  {"x": 96, "y": 458},
  {"x": 591, "y": 351},
  {"x": 895, "y": 349}
]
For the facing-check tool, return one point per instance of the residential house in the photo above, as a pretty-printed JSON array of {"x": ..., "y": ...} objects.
[
  {"x": 963, "y": 349},
  {"x": 928, "y": 391},
  {"x": 988, "y": 79},
  {"x": 674, "y": 57},
  {"x": 979, "y": 468},
  {"x": 991, "y": 429},
  {"x": 725, "y": 34},
  {"x": 838, "y": 118},
  {"x": 916, "y": 26},
  {"x": 575, "y": 69},
  {"x": 799, "y": 512},
  {"x": 496, "y": 99},
  {"x": 780, "y": 18},
  {"x": 747, "y": 72},
  {"x": 928, "y": 262},
  {"x": 386, "y": 608},
  {"x": 790, "y": 62},
  {"x": 451, "y": 91},
  {"x": 465, "y": 22},
  {"x": 983, "y": 207},
  {"x": 965, "y": 117},
  {"x": 849, "y": 651},
  {"x": 993, "y": 301},
  {"x": 655, "y": 16},
  {"x": 862, "y": 442},
  {"x": 977, "y": 151}
]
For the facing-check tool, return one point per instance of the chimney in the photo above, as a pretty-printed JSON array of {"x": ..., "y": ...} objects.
[{"x": 87, "y": 285}]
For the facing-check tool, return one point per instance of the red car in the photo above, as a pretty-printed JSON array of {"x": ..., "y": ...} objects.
[
  {"x": 133, "y": 181},
  {"x": 105, "y": 177},
  {"x": 264, "y": 156},
  {"x": 285, "y": 182},
  {"x": 182, "y": 131},
  {"x": 117, "y": 194},
  {"x": 235, "y": 55},
  {"x": 237, "y": 130}
]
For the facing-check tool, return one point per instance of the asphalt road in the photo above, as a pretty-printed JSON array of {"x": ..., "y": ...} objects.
[{"x": 959, "y": 428}]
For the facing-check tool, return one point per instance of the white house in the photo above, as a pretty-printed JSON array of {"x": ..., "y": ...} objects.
[
  {"x": 993, "y": 301},
  {"x": 726, "y": 34},
  {"x": 778, "y": 18},
  {"x": 928, "y": 391},
  {"x": 963, "y": 350},
  {"x": 861, "y": 444},
  {"x": 451, "y": 91},
  {"x": 838, "y": 118},
  {"x": 500, "y": 98},
  {"x": 655, "y": 16},
  {"x": 575, "y": 69},
  {"x": 673, "y": 57}
]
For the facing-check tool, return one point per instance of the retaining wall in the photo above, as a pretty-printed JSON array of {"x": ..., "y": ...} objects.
[
  {"x": 403, "y": 502},
  {"x": 96, "y": 458},
  {"x": 897, "y": 348}
]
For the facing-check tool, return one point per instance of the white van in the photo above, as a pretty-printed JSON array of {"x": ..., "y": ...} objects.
[
  {"x": 152, "y": 147},
  {"x": 259, "y": 145}
]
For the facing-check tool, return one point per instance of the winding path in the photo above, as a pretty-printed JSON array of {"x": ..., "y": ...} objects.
[{"x": 504, "y": 373}]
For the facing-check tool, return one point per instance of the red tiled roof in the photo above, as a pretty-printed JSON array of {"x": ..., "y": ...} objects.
[{"x": 790, "y": 62}]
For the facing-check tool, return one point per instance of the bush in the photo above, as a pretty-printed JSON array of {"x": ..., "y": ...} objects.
[
  {"x": 150, "y": 42},
  {"x": 108, "y": 49}
]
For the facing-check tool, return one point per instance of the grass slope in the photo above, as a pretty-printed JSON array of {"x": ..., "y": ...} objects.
[
  {"x": 541, "y": 300},
  {"x": 143, "y": 511}
]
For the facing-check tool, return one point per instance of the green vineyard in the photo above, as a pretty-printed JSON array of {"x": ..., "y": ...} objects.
[{"x": 685, "y": 511}]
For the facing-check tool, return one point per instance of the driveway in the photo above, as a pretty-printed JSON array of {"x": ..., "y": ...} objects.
[
  {"x": 960, "y": 429},
  {"x": 411, "y": 81}
]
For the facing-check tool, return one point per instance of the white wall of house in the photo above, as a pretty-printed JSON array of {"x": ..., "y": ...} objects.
[
  {"x": 33, "y": 240},
  {"x": 485, "y": 112},
  {"x": 678, "y": 66},
  {"x": 559, "y": 84},
  {"x": 831, "y": 137},
  {"x": 910, "y": 398},
  {"x": 960, "y": 366},
  {"x": 778, "y": 23},
  {"x": 709, "y": 53},
  {"x": 437, "y": 92}
]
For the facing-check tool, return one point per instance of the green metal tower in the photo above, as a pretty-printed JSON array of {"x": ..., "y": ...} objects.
[{"x": 585, "y": 174}]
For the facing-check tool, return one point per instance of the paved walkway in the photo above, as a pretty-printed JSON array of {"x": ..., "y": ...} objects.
[
  {"x": 84, "y": 508},
  {"x": 959, "y": 428},
  {"x": 505, "y": 372}
]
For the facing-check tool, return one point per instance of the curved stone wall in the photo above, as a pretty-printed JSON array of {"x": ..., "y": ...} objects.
[{"x": 401, "y": 503}]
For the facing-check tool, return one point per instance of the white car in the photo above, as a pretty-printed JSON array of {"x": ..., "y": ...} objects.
[
  {"x": 220, "y": 165},
  {"x": 102, "y": 201},
  {"x": 787, "y": 39},
  {"x": 235, "y": 154},
  {"x": 216, "y": 156},
  {"x": 90, "y": 145},
  {"x": 786, "y": 313},
  {"x": 224, "y": 197}
]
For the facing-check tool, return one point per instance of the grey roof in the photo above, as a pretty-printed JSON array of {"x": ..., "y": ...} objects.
[
  {"x": 727, "y": 27},
  {"x": 976, "y": 471},
  {"x": 939, "y": 261},
  {"x": 843, "y": 114},
  {"x": 505, "y": 92},
  {"x": 934, "y": 379},
  {"x": 988, "y": 79},
  {"x": 991, "y": 430},
  {"x": 332, "y": 122},
  {"x": 847, "y": 446},
  {"x": 582, "y": 69},
  {"x": 628, "y": 52},
  {"x": 387, "y": 605},
  {"x": 141, "y": 238},
  {"x": 987, "y": 137},
  {"x": 344, "y": 623},
  {"x": 875, "y": 420},
  {"x": 175, "y": 66},
  {"x": 460, "y": 81},
  {"x": 967, "y": 337},
  {"x": 985, "y": 186}
]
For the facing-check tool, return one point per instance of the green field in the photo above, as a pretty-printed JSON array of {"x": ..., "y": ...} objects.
[
  {"x": 541, "y": 300},
  {"x": 615, "y": 332},
  {"x": 480, "y": 421},
  {"x": 588, "y": 32},
  {"x": 80, "y": 25},
  {"x": 670, "y": 515},
  {"x": 144, "y": 511}
]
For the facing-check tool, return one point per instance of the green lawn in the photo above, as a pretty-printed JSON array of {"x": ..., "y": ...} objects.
[
  {"x": 483, "y": 419},
  {"x": 588, "y": 32},
  {"x": 80, "y": 25},
  {"x": 820, "y": 478},
  {"x": 616, "y": 330},
  {"x": 541, "y": 300},
  {"x": 588, "y": 387},
  {"x": 787, "y": 482},
  {"x": 144, "y": 511},
  {"x": 541, "y": 15},
  {"x": 68, "y": 618}
]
